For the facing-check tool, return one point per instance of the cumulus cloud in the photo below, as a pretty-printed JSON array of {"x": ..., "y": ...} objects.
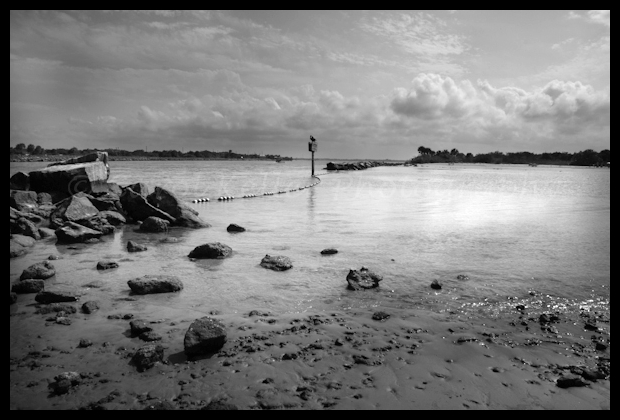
[{"x": 558, "y": 107}]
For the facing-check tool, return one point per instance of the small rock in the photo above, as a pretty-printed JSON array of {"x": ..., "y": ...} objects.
[
  {"x": 146, "y": 356},
  {"x": 570, "y": 380},
  {"x": 90, "y": 306},
  {"x": 138, "y": 326},
  {"x": 380, "y": 316},
  {"x": 462, "y": 277},
  {"x": 329, "y": 251},
  {"x": 436, "y": 285},
  {"x": 106, "y": 265},
  {"x": 235, "y": 228},
  {"x": 135, "y": 247},
  {"x": 85, "y": 343},
  {"x": 28, "y": 286},
  {"x": 276, "y": 262},
  {"x": 213, "y": 250}
]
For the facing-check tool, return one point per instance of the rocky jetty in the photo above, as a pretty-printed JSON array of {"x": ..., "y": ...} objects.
[
  {"x": 73, "y": 202},
  {"x": 357, "y": 166}
]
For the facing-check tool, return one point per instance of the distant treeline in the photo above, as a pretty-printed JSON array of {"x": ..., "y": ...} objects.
[
  {"x": 32, "y": 152},
  {"x": 586, "y": 157}
]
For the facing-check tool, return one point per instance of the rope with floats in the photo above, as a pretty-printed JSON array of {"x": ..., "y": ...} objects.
[{"x": 232, "y": 197}]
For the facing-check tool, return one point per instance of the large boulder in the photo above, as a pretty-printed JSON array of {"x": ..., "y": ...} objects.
[
  {"x": 138, "y": 208},
  {"x": 362, "y": 279},
  {"x": 20, "y": 181},
  {"x": 276, "y": 262},
  {"x": 155, "y": 284},
  {"x": 185, "y": 216},
  {"x": 72, "y": 232},
  {"x": 204, "y": 335},
  {"x": 19, "y": 245},
  {"x": 213, "y": 250},
  {"x": 23, "y": 200},
  {"x": 75, "y": 208},
  {"x": 70, "y": 178},
  {"x": 41, "y": 270}
]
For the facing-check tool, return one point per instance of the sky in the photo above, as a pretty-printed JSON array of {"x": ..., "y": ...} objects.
[{"x": 365, "y": 84}]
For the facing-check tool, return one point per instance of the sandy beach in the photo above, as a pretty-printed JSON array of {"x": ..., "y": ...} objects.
[{"x": 410, "y": 359}]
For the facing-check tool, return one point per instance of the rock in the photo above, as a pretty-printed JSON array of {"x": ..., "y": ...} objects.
[
  {"x": 72, "y": 232},
  {"x": 155, "y": 284},
  {"x": 149, "y": 336},
  {"x": 113, "y": 217},
  {"x": 70, "y": 178},
  {"x": 462, "y": 277},
  {"x": 570, "y": 380},
  {"x": 213, "y": 250},
  {"x": 98, "y": 223},
  {"x": 380, "y": 316},
  {"x": 204, "y": 335},
  {"x": 28, "y": 286},
  {"x": 276, "y": 262},
  {"x": 76, "y": 208},
  {"x": 435, "y": 284},
  {"x": 138, "y": 208},
  {"x": 329, "y": 251},
  {"x": 140, "y": 188},
  {"x": 146, "y": 356},
  {"x": 135, "y": 247},
  {"x": 107, "y": 202},
  {"x": 19, "y": 245},
  {"x": 23, "y": 200},
  {"x": 138, "y": 326},
  {"x": 154, "y": 224},
  {"x": 106, "y": 265},
  {"x": 25, "y": 227},
  {"x": 84, "y": 342},
  {"x": 46, "y": 233},
  {"x": 44, "y": 198},
  {"x": 20, "y": 181},
  {"x": 13, "y": 298},
  {"x": 168, "y": 202},
  {"x": 57, "y": 294},
  {"x": 64, "y": 382},
  {"x": 64, "y": 308},
  {"x": 41, "y": 270},
  {"x": 362, "y": 279},
  {"x": 235, "y": 228},
  {"x": 90, "y": 306}
]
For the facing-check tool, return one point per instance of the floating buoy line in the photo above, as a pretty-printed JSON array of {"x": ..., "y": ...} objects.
[{"x": 232, "y": 197}]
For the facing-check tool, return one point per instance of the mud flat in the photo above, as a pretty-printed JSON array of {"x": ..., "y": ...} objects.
[{"x": 379, "y": 358}]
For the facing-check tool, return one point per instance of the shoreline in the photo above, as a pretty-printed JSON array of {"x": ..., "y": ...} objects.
[{"x": 500, "y": 357}]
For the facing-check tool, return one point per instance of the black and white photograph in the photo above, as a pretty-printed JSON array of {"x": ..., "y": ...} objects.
[{"x": 310, "y": 210}]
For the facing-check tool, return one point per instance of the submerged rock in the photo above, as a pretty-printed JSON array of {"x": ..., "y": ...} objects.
[
  {"x": 213, "y": 250},
  {"x": 204, "y": 335},
  {"x": 154, "y": 224},
  {"x": 57, "y": 294},
  {"x": 155, "y": 284},
  {"x": 106, "y": 265},
  {"x": 135, "y": 247},
  {"x": 329, "y": 251},
  {"x": 362, "y": 279},
  {"x": 276, "y": 262}
]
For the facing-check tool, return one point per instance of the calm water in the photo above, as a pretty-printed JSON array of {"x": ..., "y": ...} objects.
[{"x": 511, "y": 229}]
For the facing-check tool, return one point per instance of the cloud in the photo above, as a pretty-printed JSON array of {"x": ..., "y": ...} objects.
[{"x": 558, "y": 108}]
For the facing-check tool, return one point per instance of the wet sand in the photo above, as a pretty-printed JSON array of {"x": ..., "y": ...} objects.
[{"x": 414, "y": 359}]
